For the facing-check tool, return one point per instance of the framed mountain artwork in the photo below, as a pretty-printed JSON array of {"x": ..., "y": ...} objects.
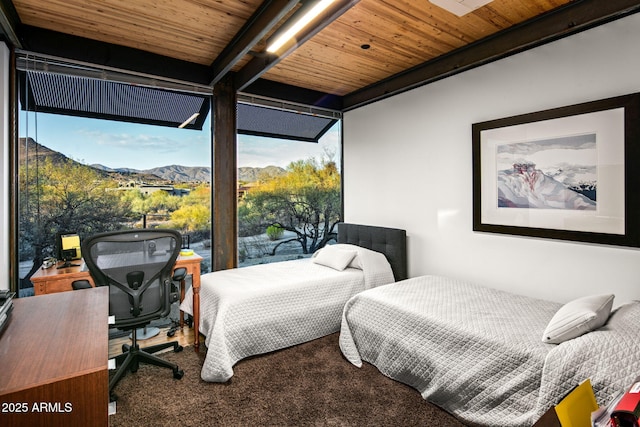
[{"x": 570, "y": 173}]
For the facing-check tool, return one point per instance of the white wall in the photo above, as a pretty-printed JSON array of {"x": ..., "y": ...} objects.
[
  {"x": 407, "y": 164},
  {"x": 4, "y": 166}
]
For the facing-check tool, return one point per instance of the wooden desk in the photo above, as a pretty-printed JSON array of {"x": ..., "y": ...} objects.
[
  {"x": 52, "y": 280},
  {"x": 192, "y": 264},
  {"x": 54, "y": 358}
]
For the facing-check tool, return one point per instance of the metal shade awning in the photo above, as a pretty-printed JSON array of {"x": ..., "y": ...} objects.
[
  {"x": 105, "y": 99},
  {"x": 278, "y": 123},
  {"x": 81, "y": 96}
]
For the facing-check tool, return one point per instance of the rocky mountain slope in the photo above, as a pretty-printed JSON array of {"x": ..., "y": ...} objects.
[{"x": 172, "y": 173}]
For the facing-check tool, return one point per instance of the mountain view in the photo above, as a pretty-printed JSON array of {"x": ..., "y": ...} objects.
[
  {"x": 60, "y": 193},
  {"x": 177, "y": 173},
  {"x": 170, "y": 173}
]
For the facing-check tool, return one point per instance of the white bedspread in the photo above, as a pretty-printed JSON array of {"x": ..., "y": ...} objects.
[
  {"x": 478, "y": 353},
  {"x": 262, "y": 308}
]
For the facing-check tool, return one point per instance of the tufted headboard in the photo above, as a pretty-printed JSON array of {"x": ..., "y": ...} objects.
[{"x": 392, "y": 242}]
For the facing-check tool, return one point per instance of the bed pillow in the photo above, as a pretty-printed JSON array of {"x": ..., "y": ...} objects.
[
  {"x": 336, "y": 258},
  {"x": 355, "y": 262},
  {"x": 578, "y": 317}
]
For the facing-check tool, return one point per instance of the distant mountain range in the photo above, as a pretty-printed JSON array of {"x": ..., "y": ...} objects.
[
  {"x": 174, "y": 173},
  {"x": 177, "y": 173}
]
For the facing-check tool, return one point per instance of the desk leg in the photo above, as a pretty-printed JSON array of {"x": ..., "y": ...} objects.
[
  {"x": 195, "y": 284},
  {"x": 182, "y": 286}
]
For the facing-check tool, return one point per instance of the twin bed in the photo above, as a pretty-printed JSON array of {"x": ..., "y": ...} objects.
[
  {"x": 257, "y": 309},
  {"x": 476, "y": 352},
  {"x": 479, "y": 353}
]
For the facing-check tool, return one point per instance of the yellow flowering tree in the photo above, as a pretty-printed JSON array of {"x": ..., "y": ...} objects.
[{"x": 194, "y": 213}]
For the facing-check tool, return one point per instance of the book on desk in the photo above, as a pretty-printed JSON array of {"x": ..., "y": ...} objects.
[{"x": 6, "y": 306}]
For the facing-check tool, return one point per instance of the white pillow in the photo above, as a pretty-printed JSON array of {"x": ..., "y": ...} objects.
[
  {"x": 355, "y": 262},
  {"x": 578, "y": 317},
  {"x": 336, "y": 258}
]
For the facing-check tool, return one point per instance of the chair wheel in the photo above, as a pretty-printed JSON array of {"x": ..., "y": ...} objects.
[
  {"x": 178, "y": 349},
  {"x": 178, "y": 374},
  {"x": 171, "y": 333}
]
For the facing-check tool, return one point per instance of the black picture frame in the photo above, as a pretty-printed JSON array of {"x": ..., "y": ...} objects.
[{"x": 614, "y": 126}]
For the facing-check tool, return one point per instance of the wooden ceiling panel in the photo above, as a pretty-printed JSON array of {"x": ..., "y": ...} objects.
[
  {"x": 190, "y": 30},
  {"x": 402, "y": 35},
  {"x": 337, "y": 79}
]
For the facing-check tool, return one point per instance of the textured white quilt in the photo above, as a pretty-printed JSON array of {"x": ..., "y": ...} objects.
[
  {"x": 478, "y": 353},
  {"x": 262, "y": 308}
]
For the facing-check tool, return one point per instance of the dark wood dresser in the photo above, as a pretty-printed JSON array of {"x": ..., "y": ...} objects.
[{"x": 54, "y": 360}]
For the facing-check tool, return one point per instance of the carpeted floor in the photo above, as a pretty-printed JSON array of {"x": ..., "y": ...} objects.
[{"x": 307, "y": 385}]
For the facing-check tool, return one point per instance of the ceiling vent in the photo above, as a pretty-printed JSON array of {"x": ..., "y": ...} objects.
[{"x": 460, "y": 7}]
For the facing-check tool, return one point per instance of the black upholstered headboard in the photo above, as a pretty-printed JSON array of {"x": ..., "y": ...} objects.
[{"x": 392, "y": 242}]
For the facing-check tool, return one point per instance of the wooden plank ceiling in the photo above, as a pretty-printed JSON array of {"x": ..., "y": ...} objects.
[{"x": 372, "y": 42}]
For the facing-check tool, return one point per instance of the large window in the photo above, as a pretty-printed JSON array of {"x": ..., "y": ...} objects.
[
  {"x": 289, "y": 196},
  {"x": 88, "y": 175},
  {"x": 100, "y": 155}
]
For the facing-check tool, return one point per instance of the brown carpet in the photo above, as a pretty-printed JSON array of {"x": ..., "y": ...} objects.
[{"x": 307, "y": 385}]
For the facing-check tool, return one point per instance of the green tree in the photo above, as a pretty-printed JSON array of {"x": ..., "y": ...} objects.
[
  {"x": 135, "y": 200},
  {"x": 194, "y": 213},
  {"x": 162, "y": 202},
  {"x": 305, "y": 201},
  {"x": 158, "y": 202},
  {"x": 64, "y": 197},
  {"x": 191, "y": 217}
]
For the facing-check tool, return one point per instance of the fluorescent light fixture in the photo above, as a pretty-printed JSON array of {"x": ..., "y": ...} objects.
[
  {"x": 460, "y": 7},
  {"x": 189, "y": 120},
  {"x": 309, "y": 16}
]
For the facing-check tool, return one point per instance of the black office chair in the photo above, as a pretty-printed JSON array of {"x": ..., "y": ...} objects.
[{"x": 137, "y": 266}]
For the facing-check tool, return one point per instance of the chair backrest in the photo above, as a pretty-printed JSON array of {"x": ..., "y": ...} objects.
[{"x": 136, "y": 265}]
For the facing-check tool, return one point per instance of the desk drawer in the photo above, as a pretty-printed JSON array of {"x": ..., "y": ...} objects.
[{"x": 53, "y": 285}]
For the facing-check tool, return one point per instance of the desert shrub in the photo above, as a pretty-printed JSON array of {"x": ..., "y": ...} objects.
[{"x": 274, "y": 232}]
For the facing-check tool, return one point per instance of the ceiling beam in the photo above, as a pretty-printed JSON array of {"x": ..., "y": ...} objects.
[
  {"x": 293, "y": 94},
  {"x": 9, "y": 21},
  {"x": 263, "y": 62},
  {"x": 561, "y": 22},
  {"x": 81, "y": 49},
  {"x": 257, "y": 26},
  {"x": 576, "y": 16}
]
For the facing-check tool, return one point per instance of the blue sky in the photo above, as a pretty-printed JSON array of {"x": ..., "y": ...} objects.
[{"x": 119, "y": 144}]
